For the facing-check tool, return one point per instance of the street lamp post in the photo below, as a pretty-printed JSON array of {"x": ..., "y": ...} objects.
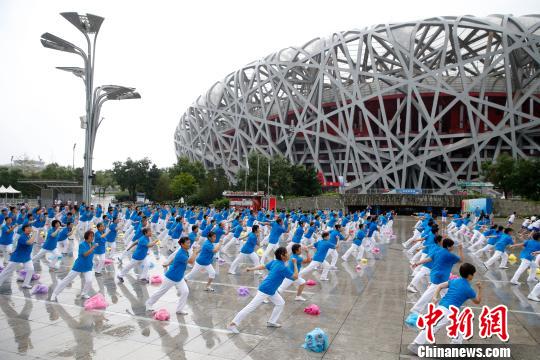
[
  {"x": 89, "y": 26},
  {"x": 73, "y": 160}
]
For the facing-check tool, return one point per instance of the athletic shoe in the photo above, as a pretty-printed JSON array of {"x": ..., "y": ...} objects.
[
  {"x": 323, "y": 279},
  {"x": 503, "y": 267},
  {"x": 343, "y": 258},
  {"x": 411, "y": 320},
  {"x": 120, "y": 278},
  {"x": 231, "y": 273},
  {"x": 97, "y": 273},
  {"x": 274, "y": 325},
  {"x": 533, "y": 298},
  {"x": 333, "y": 267},
  {"x": 266, "y": 301},
  {"x": 181, "y": 312},
  {"x": 411, "y": 288},
  {"x": 148, "y": 308},
  {"x": 27, "y": 286},
  {"x": 515, "y": 283},
  {"x": 233, "y": 329},
  {"x": 299, "y": 298},
  {"x": 54, "y": 298},
  {"x": 85, "y": 296},
  {"x": 209, "y": 289}
]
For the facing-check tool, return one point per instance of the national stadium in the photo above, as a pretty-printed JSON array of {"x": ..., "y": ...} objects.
[{"x": 415, "y": 105}]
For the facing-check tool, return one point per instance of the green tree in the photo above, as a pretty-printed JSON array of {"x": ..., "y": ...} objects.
[
  {"x": 526, "y": 175},
  {"x": 103, "y": 181},
  {"x": 183, "y": 185},
  {"x": 212, "y": 187},
  {"x": 501, "y": 173},
  {"x": 184, "y": 165},
  {"x": 57, "y": 172},
  {"x": 281, "y": 177},
  {"x": 162, "y": 191},
  {"x": 132, "y": 175},
  {"x": 305, "y": 182}
]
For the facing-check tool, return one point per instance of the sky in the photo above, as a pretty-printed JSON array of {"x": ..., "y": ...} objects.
[{"x": 172, "y": 52}]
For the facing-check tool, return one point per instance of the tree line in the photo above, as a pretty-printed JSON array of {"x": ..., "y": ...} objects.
[
  {"x": 185, "y": 179},
  {"x": 514, "y": 177}
]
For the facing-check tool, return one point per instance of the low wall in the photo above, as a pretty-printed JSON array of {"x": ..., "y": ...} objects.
[
  {"x": 312, "y": 203},
  {"x": 503, "y": 208}
]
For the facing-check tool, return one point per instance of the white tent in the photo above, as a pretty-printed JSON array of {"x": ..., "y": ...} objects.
[
  {"x": 3, "y": 190},
  {"x": 11, "y": 190}
]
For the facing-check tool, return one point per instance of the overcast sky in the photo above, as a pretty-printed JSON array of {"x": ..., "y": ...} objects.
[{"x": 171, "y": 51}]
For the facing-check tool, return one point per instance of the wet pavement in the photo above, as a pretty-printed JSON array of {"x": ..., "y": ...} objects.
[{"x": 361, "y": 311}]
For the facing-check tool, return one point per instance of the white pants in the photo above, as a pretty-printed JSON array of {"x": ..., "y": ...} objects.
[
  {"x": 267, "y": 251},
  {"x": 276, "y": 299},
  {"x": 314, "y": 265},
  {"x": 288, "y": 282},
  {"x": 12, "y": 266},
  {"x": 359, "y": 252},
  {"x": 521, "y": 269},
  {"x": 483, "y": 250},
  {"x": 229, "y": 243},
  {"x": 535, "y": 291},
  {"x": 100, "y": 259},
  {"x": 7, "y": 250},
  {"x": 424, "y": 271},
  {"x": 498, "y": 255},
  {"x": 426, "y": 297},
  {"x": 181, "y": 289},
  {"x": 334, "y": 255},
  {"x": 42, "y": 253},
  {"x": 252, "y": 256},
  {"x": 88, "y": 276},
  {"x": 112, "y": 245},
  {"x": 421, "y": 339},
  {"x": 198, "y": 267},
  {"x": 144, "y": 269}
]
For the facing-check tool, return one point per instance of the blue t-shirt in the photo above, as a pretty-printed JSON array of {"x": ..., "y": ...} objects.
[
  {"x": 111, "y": 236},
  {"x": 100, "y": 241},
  {"x": 431, "y": 251},
  {"x": 192, "y": 238},
  {"x": 276, "y": 231},
  {"x": 63, "y": 234},
  {"x": 237, "y": 231},
  {"x": 335, "y": 235},
  {"x": 529, "y": 247},
  {"x": 7, "y": 236},
  {"x": 142, "y": 248},
  {"x": 459, "y": 291},
  {"x": 299, "y": 260},
  {"x": 22, "y": 251},
  {"x": 250, "y": 244},
  {"x": 206, "y": 256},
  {"x": 494, "y": 240},
  {"x": 322, "y": 247},
  {"x": 442, "y": 265},
  {"x": 51, "y": 241},
  {"x": 310, "y": 232},
  {"x": 360, "y": 235},
  {"x": 297, "y": 237},
  {"x": 372, "y": 227},
  {"x": 178, "y": 267},
  {"x": 219, "y": 233},
  {"x": 278, "y": 272},
  {"x": 83, "y": 263},
  {"x": 503, "y": 242}
]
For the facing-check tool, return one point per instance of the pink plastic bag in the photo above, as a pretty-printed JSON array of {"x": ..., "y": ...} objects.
[
  {"x": 162, "y": 315},
  {"x": 375, "y": 250},
  {"x": 40, "y": 289},
  {"x": 156, "y": 279},
  {"x": 96, "y": 302},
  {"x": 243, "y": 291},
  {"x": 312, "y": 310},
  {"x": 108, "y": 261},
  {"x": 311, "y": 282},
  {"x": 22, "y": 274},
  {"x": 453, "y": 276}
]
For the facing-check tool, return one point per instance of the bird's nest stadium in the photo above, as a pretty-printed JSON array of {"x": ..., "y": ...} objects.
[{"x": 411, "y": 105}]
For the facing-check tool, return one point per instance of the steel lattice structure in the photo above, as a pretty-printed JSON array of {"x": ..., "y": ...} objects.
[{"x": 412, "y": 105}]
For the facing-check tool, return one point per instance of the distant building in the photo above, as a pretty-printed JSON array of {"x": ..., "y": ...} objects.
[{"x": 26, "y": 164}]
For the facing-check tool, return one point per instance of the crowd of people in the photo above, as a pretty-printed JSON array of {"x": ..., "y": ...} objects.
[{"x": 285, "y": 247}]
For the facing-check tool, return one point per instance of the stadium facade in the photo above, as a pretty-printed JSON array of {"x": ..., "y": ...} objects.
[{"x": 412, "y": 105}]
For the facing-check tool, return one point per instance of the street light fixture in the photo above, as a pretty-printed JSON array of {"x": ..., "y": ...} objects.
[{"x": 88, "y": 24}]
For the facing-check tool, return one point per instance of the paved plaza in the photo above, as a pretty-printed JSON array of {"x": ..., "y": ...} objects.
[{"x": 361, "y": 311}]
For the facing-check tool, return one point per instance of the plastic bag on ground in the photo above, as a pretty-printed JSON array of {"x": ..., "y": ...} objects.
[
  {"x": 311, "y": 282},
  {"x": 40, "y": 289},
  {"x": 162, "y": 315},
  {"x": 156, "y": 279},
  {"x": 312, "y": 310},
  {"x": 243, "y": 291},
  {"x": 316, "y": 340},
  {"x": 96, "y": 302}
]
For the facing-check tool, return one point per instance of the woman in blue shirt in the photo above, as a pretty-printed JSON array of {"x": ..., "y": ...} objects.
[
  {"x": 100, "y": 236},
  {"x": 459, "y": 291},
  {"x": 322, "y": 247},
  {"x": 6, "y": 238},
  {"x": 248, "y": 249},
  {"x": 174, "y": 276},
  {"x": 500, "y": 249},
  {"x": 50, "y": 247},
  {"x": 299, "y": 282},
  {"x": 81, "y": 266},
  {"x": 205, "y": 259},
  {"x": 530, "y": 246},
  {"x": 356, "y": 245},
  {"x": 278, "y": 271},
  {"x": 21, "y": 255},
  {"x": 143, "y": 243}
]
